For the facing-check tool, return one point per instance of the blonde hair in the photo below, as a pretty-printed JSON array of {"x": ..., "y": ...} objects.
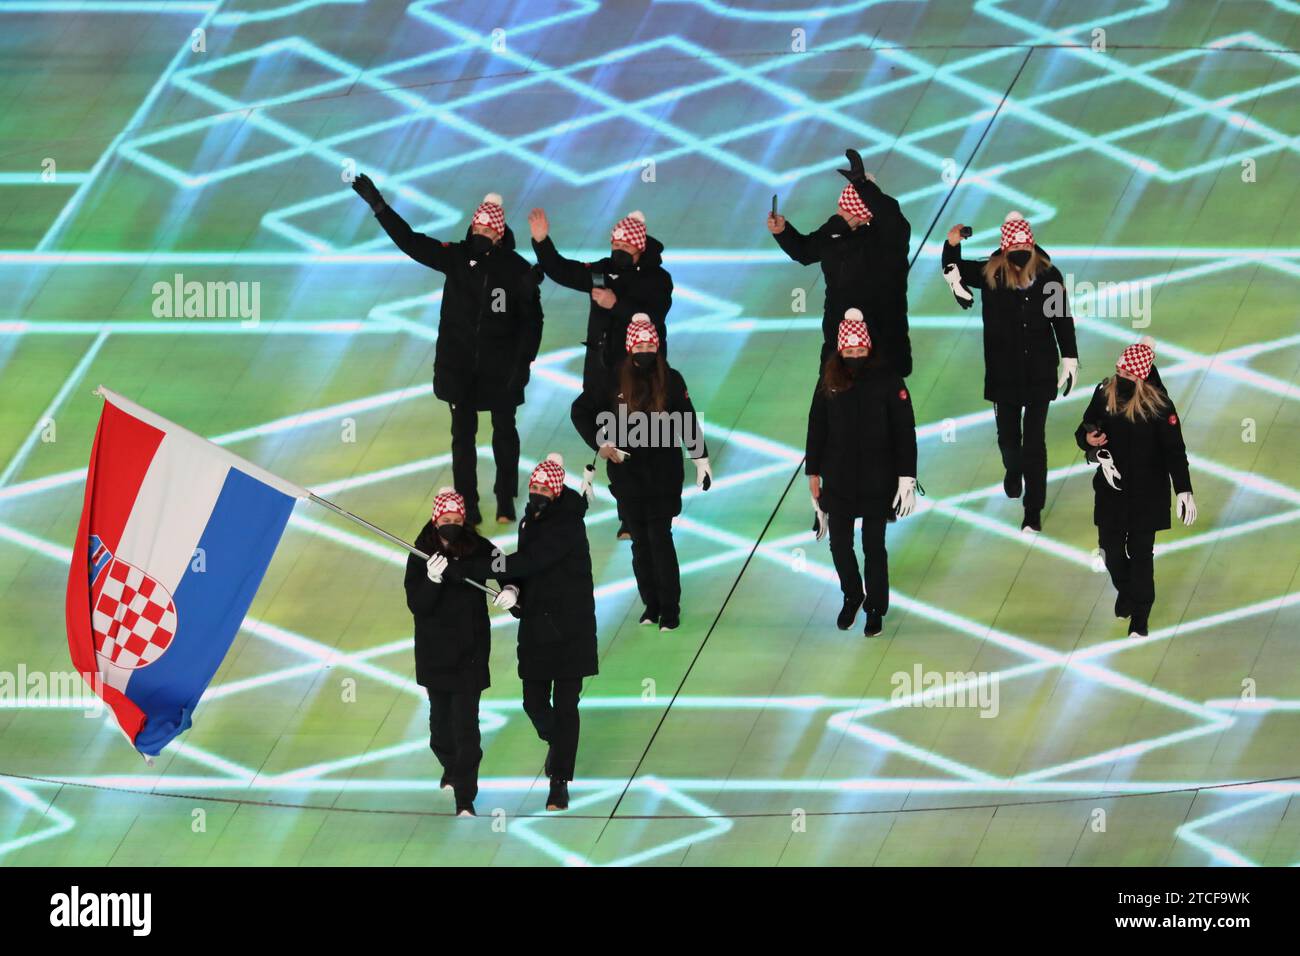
[
  {"x": 1001, "y": 273},
  {"x": 1147, "y": 402}
]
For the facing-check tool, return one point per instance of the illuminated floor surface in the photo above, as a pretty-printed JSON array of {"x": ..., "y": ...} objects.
[{"x": 757, "y": 734}]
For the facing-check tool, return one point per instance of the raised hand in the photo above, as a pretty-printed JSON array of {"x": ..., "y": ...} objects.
[
  {"x": 538, "y": 225},
  {"x": 365, "y": 187},
  {"x": 856, "y": 173}
]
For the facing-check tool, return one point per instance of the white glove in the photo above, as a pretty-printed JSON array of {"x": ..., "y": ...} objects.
[
  {"x": 588, "y": 473},
  {"x": 952, "y": 275},
  {"x": 1187, "y": 508},
  {"x": 905, "y": 499},
  {"x": 506, "y": 598},
  {"x": 1108, "y": 469},
  {"x": 703, "y": 476},
  {"x": 1069, "y": 375},
  {"x": 436, "y": 565},
  {"x": 820, "y": 525}
]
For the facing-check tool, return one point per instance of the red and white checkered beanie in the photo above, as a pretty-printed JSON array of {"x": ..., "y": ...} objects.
[
  {"x": 549, "y": 473},
  {"x": 630, "y": 229},
  {"x": 853, "y": 332},
  {"x": 448, "y": 501},
  {"x": 1138, "y": 358},
  {"x": 641, "y": 330},
  {"x": 851, "y": 203},
  {"x": 490, "y": 213},
  {"x": 1015, "y": 230}
]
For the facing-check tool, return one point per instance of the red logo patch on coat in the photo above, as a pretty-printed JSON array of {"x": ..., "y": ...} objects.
[
  {"x": 1173, "y": 419},
  {"x": 902, "y": 393}
]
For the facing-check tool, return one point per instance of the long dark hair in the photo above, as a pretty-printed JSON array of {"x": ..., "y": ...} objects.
[
  {"x": 644, "y": 391},
  {"x": 837, "y": 377}
]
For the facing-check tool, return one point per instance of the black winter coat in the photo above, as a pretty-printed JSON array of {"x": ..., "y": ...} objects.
[
  {"x": 452, "y": 631},
  {"x": 491, "y": 320},
  {"x": 557, "y": 604},
  {"x": 1149, "y": 454},
  {"x": 864, "y": 268},
  {"x": 861, "y": 441},
  {"x": 645, "y": 287},
  {"x": 648, "y": 484},
  {"x": 1023, "y": 330}
]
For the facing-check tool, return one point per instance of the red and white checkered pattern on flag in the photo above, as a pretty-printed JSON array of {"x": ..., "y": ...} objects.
[
  {"x": 1137, "y": 359},
  {"x": 853, "y": 332},
  {"x": 630, "y": 229},
  {"x": 852, "y": 203},
  {"x": 447, "y": 501},
  {"x": 549, "y": 473},
  {"x": 640, "y": 331},
  {"x": 133, "y": 617},
  {"x": 1016, "y": 230},
  {"x": 491, "y": 214}
]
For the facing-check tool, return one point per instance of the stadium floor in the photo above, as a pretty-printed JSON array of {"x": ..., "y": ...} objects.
[{"x": 757, "y": 733}]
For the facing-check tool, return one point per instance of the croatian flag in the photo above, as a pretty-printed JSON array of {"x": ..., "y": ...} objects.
[{"x": 175, "y": 536}]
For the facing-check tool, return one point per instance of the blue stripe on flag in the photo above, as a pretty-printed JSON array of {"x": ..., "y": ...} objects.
[{"x": 240, "y": 537}]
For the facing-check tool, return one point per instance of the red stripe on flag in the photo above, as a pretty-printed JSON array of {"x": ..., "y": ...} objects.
[{"x": 123, "y": 449}]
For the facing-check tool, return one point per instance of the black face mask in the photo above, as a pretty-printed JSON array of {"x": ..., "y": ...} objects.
[
  {"x": 451, "y": 533},
  {"x": 622, "y": 258},
  {"x": 480, "y": 245},
  {"x": 1019, "y": 257},
  {"x": 855, "y": 365},
  {"x": 538, "y": 502},
  {"x": 1125, "y": 388},
  {"x": 644, "y": 360}
]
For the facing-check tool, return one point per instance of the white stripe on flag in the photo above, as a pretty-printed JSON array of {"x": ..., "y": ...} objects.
[{"x": 176, "y": 499}]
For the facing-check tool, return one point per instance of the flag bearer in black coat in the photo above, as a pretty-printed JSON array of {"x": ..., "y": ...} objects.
[
  {"x": 452, "y": 644},
  {"x": 548, "y": 585},
  {"x": 862, "y": 250},
  {"x": 488, "y": 334},
  {"x": 1131, "y": 430},
  {"x": 1026, "y": 321},
  {"x": 861, "y": 463},
  {"x": 640, "y": 427}
]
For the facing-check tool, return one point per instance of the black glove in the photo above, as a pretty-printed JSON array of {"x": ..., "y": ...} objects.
[
  {"x": 856, "y": 173},
  {"x": 364, "y": 187}
]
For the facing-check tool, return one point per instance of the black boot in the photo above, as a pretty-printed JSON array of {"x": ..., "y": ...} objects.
[
  {"x": 848, "y": 613},
  {"x": 558, "y": 798},
  {"x": 623, "y": 534},
  {"x": 1033, "y": 521},
  {"x": 505, "y": 510},
  {"x": 649, "y": 616},
  {"x": 465, "y": 810},
  {"x": 875, "y": 624},
  {"x": 670, "y": 620},
  {"x": 1011, "y": 484},
  {"x": 1123, "y": 607},
  {"x": 444, "y": 783},
  {"x": 1137, "y": 625}
]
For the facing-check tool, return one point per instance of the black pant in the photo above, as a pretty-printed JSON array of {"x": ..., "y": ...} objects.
[
  {"x": 875, "y": 560},
  {"x": 1130, "y": 559},
  {"x": 552, "y": 706},
  {"x": 464, "y": 453},
  {"x": 1024, "y": 452},
  {"x": 455, "y": 741},
  {"x": 654, "y": 562}
]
